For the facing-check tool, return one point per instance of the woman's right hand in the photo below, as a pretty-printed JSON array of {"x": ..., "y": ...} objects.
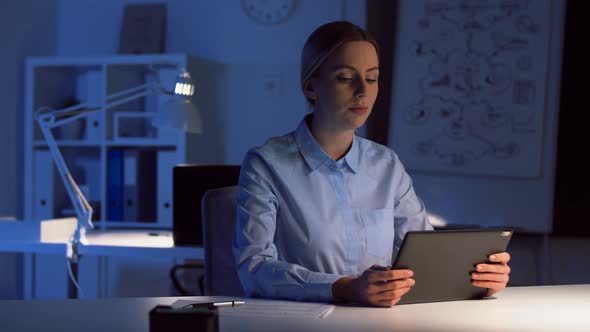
[{"x": 377, "y": 286}]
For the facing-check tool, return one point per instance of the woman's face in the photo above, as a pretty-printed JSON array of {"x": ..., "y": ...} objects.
[{"x": 345, "y": 86}]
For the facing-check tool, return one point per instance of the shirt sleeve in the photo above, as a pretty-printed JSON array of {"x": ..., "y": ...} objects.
[
  {"x": 261, "y": 271},
  {"x": 410, "y": 212}
]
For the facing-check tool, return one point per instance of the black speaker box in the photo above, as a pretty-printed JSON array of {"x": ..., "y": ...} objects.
[
  {"x": 189, "y": 184},
  {"x": 164, "y": 318}
]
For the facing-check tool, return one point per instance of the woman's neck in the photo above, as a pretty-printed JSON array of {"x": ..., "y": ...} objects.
[{"x": 335, "y": 142}]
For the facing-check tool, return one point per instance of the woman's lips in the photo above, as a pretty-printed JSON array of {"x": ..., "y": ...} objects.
[{"x": 360, "y": 110}]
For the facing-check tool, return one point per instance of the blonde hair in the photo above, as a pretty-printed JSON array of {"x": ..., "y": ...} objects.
[{"x": 324, "y": 41}]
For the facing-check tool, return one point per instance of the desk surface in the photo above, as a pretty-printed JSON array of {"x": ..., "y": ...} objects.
[
  {"x": 112, "y": 243},
  {"x": 543, "y": 308},
  {"x": 136, "y": 242}
]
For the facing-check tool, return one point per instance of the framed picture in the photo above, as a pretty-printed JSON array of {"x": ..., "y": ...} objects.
[{"x": 143, "y": 29}]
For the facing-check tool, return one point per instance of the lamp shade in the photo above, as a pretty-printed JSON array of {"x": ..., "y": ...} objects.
[{"x": 178, "y": 113}]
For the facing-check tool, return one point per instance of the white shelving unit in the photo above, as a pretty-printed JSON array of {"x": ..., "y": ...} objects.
[{"x": 143, "y": 156}]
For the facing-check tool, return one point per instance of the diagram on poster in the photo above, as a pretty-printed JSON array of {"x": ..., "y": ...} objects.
[{"x": 469, "y": 86}]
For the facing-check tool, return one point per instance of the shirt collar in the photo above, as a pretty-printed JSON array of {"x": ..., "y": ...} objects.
[{"x": 315, "y": 156}]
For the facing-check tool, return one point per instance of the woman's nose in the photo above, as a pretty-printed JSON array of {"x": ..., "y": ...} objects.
[{"x": 360, "y": 90}]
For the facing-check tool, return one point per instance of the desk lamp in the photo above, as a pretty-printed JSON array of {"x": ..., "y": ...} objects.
[{"x": 178, "y": 112}]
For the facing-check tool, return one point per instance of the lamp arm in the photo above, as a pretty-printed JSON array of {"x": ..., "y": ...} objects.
[
  {"x": 54, "y": 118},
  {"x": 83, "y": 209},
  {"x": 127, "y": 99},
  {"x": 128, "y": 95}
]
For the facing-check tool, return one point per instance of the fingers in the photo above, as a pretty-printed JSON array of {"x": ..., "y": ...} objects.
[
  {"x": 382, "y": 286},
  {"x": 378, "y": 288},
  {"x": 495, "y": 277},
  {"x": 489, "y": 284},
  {"x": 394, "y": 293},
  {"x": 502, "y": 257},
  {"x": 379, "y": 267},
  {"x": 384, "y": 276},
  {"x": 388, "y": 303},
  {"x": 493, "y": 268},
  {"x": 389, "y": 298}
]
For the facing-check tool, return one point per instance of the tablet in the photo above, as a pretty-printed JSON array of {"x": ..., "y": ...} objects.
[{"x": 443, "y": 261}]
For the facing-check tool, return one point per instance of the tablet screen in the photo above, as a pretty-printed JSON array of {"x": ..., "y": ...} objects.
[{"x": 443, "y": 261}]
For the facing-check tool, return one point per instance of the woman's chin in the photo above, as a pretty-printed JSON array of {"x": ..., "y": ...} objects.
[{"x": 358, "y": 121}]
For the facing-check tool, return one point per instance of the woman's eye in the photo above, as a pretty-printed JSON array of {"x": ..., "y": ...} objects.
[
  {"x": 371, "y": 80},
  {"x": 344, "y": 79}
]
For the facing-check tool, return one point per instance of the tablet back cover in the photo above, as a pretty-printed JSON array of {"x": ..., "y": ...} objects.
[{"x": 443, "y": 261}]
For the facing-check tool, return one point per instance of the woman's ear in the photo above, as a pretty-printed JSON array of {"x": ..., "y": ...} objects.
[{"x": 308, "y": 91}]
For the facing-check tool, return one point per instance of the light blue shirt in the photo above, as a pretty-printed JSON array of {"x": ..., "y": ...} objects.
[{"x": 305, "y": 220}]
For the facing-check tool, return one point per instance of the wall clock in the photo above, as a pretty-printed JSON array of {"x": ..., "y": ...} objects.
[{"x": 269, "y": 12}]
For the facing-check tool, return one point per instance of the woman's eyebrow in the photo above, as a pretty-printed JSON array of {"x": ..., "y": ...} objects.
[{"x": 352, "y": 68}]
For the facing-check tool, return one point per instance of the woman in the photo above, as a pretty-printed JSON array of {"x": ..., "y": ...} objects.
[{"x": 320, "y": 210}]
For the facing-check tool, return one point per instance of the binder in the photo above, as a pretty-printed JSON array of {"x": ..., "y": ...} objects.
[
  {"x": 43, "y": 181},
  {"x": 139, "y": 185},
  {"x": 130, "y": 199},
  {"x": 147, "y": 192},
  {"x": 166, "y": 162},
  {"x": 115, "y": 185}
]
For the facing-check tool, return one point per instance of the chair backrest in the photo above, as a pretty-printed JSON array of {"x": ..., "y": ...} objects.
[
  {"x": 190, "y": 182},
  {"x": 219, "y": 218}
]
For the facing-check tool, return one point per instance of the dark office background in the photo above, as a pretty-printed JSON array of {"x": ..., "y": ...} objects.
[
  {"x": 572, "y": 182},
  {"x": 51, "y": 28}
]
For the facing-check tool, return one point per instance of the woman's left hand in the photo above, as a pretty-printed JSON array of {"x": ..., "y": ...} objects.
[{"x": 494, "y": 275}]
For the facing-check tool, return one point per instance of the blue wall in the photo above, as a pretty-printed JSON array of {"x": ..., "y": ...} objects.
[
  {"x": 29, "y": 27},
  {"x": 213, "y": 30}
]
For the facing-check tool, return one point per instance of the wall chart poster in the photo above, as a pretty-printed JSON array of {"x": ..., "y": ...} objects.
[{"x": 469, "y": 86}]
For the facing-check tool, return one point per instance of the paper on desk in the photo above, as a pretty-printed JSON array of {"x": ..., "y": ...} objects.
[{"x": 271, "y": 309}]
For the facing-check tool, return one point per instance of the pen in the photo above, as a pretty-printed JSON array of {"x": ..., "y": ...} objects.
[{"x": 212, "y": 305}]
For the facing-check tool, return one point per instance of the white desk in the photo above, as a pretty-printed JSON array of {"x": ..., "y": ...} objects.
[
  {"x": 56, "y": 233},
  {"x": 137, "y": 243},
  {"x": 101, "y": 243},
  {"x": 112, "y": 243},
  {"x": 543, "y": 308}
]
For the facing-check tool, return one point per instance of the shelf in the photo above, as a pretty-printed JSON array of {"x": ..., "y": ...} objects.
[
  {"x": 121, "y": 163},
  {"x": 141, "y": 142},
  {"x": 69, "y": 143},
  {"x": 131, "y": 142},
  {"x": 128, "y": 224}
]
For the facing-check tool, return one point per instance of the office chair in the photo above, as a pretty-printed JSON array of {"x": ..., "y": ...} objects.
[
  {"x": 190, "y": 182},
  {"x": 219, "y": 218}
]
